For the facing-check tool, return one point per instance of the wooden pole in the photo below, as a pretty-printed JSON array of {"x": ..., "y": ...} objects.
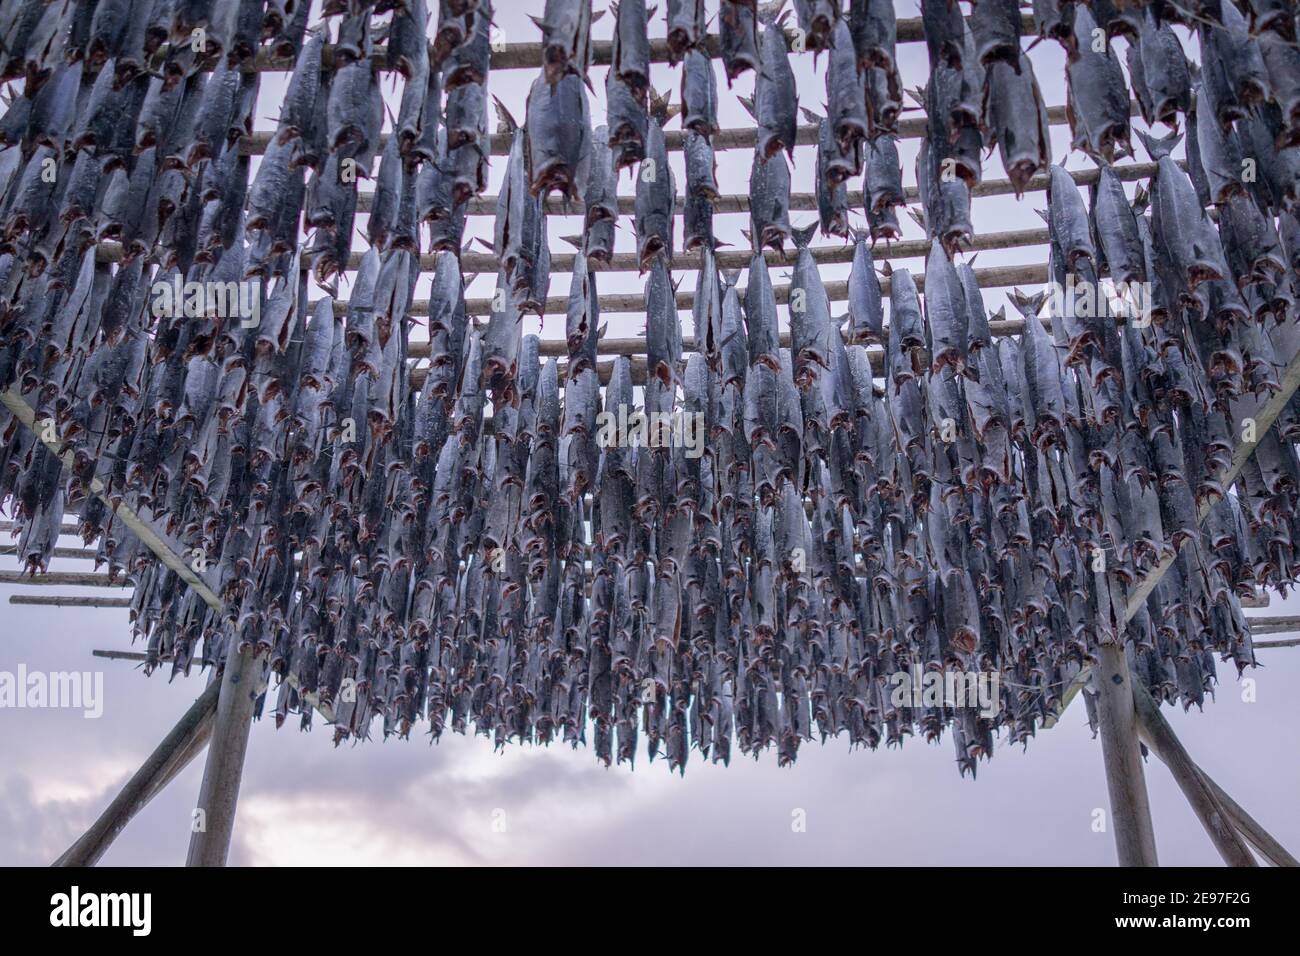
[
  {"x": 1130, "y": 808},
  {"x": 168, "y": 759},
  {"x": 214, "y": 824},
  {"x": 1255, "y": 834},
  {"x": 1160, "y": 737}
]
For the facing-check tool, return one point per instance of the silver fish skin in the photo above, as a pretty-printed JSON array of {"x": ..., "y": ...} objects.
[
  {"x": 905, "y": 310},
  {"x": 1068, "y": 217},
  {"x": 661, "y": 321},
  {"x": 1181, "y": 225},
  {"x": 760, "y": 315},
  {"x": 874, "y": 30},
  {"x": 944, "y": 29},
  {"x": 996, "y": 27},
  {"x": 769, "y": 202},
  {"x": 583, "y": 318},
  {"x": 1116, "y": 230},
  {"x": 810, "y": 315},
  {"x": 706, "y": 313},
  {"x": 866, "y": 303},
  {"x": 300, "y": 100},
  {"x": 600, "y": 193},
  {"x": 566, "y": 39},
  {"x": 686, "y": 26},
  {"x": 1158, "y": 63},
  {"x": 883, "y": 185},
  {"x": 1016, "y": 120},
  {"x": 1219, "y": 153},
  {"x": 735, "y": 343},
  {"x": 656, "y": 200},
  {"x": 558, "y": 125},
  {"x": 978, "y": 335},
  {"x": 1098, "y": 100},
  {"x": 738, "y": 37},
  {"x": 776, "y": 102},
  {"x": 845, "y": 93},
  {"x": 945, "y": 313},
  {"x": 818, "y": 21},
  {"x": 699, "y": 93},
  {"x": 630, "y": 61},
  {"x": 831, "y": 189}
]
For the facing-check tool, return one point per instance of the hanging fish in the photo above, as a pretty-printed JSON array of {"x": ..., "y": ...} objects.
[
  {"x": 865, "y": 300},
  {"x": 566, "y": 39},
  {"x": 1016, "y": 120},
  {"x": 558, "y": 126},
  {"x": 686, "y": 19},
  {"x": 1097, "y": 104},
  {"x": 945, "y": 313},
  {"x": 775, "y": 106},
  {"x": 996, "y": 26},
  {"x": 630, "y": 60},
  {"x": 656, "y": 195},
  {"x": 769, "y": 202},
  {"x": 1115, "y": 230},
  {"x": 738, "y": 37},
  {"x": 699, "y": 94}
]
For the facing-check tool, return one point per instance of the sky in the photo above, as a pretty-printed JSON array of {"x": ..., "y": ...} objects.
[{"x": 460, "y": 802}]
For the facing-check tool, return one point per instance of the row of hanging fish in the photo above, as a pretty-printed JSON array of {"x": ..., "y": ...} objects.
[{"x": 462, "y": 544}]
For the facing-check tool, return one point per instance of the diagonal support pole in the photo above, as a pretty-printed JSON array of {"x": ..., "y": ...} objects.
[
  {"x": 1158, "y": 735},
  {"x": 181, "y": 745},
  {"x": 1264, "y": 415}
]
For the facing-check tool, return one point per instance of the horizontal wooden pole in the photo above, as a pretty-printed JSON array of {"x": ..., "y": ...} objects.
[
  {"x": 475, "y": 262},
  {"x": 807, "y": 202},
  {"x": 64, "y": 600},
  {"x": 57, "y": 578},
  {"x": 528, "y": 56},
  {"x": 136, "y": 656},
  {"x": 745, "y": 137},
  {"x": 71, "y": 553}
]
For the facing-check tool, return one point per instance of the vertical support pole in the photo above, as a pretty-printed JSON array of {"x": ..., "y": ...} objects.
[
  {"x": 1130, "y": 808},
  {"x": 219, "y": 792}
]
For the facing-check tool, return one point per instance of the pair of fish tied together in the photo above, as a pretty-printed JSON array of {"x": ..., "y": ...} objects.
[{"x": 916, "y": 489}]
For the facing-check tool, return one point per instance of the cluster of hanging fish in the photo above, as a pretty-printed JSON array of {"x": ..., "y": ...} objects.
[{"x": 401, "y": 554}]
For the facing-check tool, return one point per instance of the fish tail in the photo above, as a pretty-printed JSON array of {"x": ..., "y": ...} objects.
[
  {"x": 1159, "y": 147},
  {"x": 802, "y": 237}
]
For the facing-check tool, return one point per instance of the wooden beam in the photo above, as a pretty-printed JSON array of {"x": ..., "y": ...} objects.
[
  {"x": 181, "y": 745},
  {"x": 63, "y": 600},
  {"x": 151, "y": 537},
  {"x": 241, "y": 685},
  {"x": 745, "y": 137},
  {"x": 1264, "y": 414},
  {"x": 1130, "y": 807},
  {"x": 110, "y": 655},
  {"x": 88, "y": 554},
  {"x": 1164, "y": 743},
  {"x": 82, "y": 579},
  {"x": 807, "y": 202},
  {"x": 1254, "y": 834},
  {"x": 1292, "y": 642},
  {"x": 528, "y": 56}
]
